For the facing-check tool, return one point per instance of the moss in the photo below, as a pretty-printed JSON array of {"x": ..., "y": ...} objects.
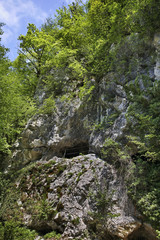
[
  {"x": 49, "y": 164},
  {"x": 80, "y": 174},
  {"x": 60, "y": 169},
  {"x": 48, "y": 179},
  {"x": 70, "y": 174},
  {"x": 75, "y": 221},
  {"x": 91, "y": 161}
]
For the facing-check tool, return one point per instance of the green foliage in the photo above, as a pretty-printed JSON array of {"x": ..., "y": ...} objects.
[
  {"x": 110, "y": 149},
  {"x": 143, "y": 16},
  {"x": 112, "y": 152},
  {"x": 143, "y": 144},
  {"x": 3, "y": 186},
  {"x": 143, "y": 119},
  {"x": 102, "y": 209},
  {"x": 80, "y": 174},
  {"x": 75, "y": 41},
  {"x": 149, "y": 204},
  {"x": 115, "y": 154},
  {"x": 15, "y": 108},
  {"x": 9, "y": 205},
  {"x": 76, "y": 221},
  {"x": 48, "y": 106},
  {"x": 158, "y": 234},
  {"x": 86, "y": 42},
  {"x": 52, "y": 235},
  {"x": 144, "y": 188},
  {"x": 33, "y": 49},
  {"x": 43, "y": 210},
  {"x": 12, "y": 230},
  {"x": 80, "y": 40},
  {"x": 86, "y": 90},
  {"x": 104, "y": 204},
  {"x": 106, "y": 121}
]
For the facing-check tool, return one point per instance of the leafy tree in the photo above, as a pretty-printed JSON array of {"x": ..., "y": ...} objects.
[
  {"x": 14, "y": 107},
  {"x": 74, "y": 39},
  {"x": 32, "y": 48},
  {"x": 14, "y": 110},
  {"x": 36, "y": 48},
  {"x": 70, "y": 47},
  {"x": 143, "y": 16}
]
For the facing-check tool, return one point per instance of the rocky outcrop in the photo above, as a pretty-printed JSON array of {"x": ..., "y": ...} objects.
[
  {"x": 82, "y": 125},
  {"x": 80, "y": 198},
  {"x": 157, "y": 46},
  {"x": 75, "y": 127},
  {"x": 64, "y": 183}
]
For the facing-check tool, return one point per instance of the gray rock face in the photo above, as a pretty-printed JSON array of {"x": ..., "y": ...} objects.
[
  {"x": 157, "y": 46},
  {"x": 85, "y": 198},
  {"x": 83, "y": 125},
  {"x": 74, "y": 127},
  {"x": 81, "y": 195}
]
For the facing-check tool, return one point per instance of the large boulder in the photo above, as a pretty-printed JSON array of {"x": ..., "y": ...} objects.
[{"x": 82, "y": 197}]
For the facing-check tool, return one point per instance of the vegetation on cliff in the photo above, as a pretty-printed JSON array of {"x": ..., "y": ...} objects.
[
  {"x": 79, "y": 41},
  {"x": 85, "y": 42}
]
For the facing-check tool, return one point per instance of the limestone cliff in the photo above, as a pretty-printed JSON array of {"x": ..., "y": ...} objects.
[{"x": 63, "y": 180}]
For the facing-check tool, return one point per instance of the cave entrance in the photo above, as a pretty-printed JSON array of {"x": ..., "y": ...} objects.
[
  {"x": 142, "y": 233},
  {"x": 139, "y": 238},
  {"x": 76, "y": 150}
]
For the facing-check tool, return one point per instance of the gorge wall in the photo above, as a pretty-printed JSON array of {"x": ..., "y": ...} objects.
[{"x": 66, "y": 178}]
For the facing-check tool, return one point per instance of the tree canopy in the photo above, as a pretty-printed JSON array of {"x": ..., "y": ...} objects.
[{"x": 14, "y": 106}]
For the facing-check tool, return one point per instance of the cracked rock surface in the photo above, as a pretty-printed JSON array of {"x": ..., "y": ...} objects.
[{"x": 81, "y": 198}]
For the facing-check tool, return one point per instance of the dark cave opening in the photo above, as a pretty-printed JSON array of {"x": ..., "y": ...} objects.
[
  {"x": 142, "y": 233},
  {"x": 139, "y": 238},
  {"x": 45, "y": 229},
  {"x": 42, "y": 229},
  {"x": 75, "y": 150}
]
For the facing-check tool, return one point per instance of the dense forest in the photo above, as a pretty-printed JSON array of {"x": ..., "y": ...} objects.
[{"x": 83, "y": 42}]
